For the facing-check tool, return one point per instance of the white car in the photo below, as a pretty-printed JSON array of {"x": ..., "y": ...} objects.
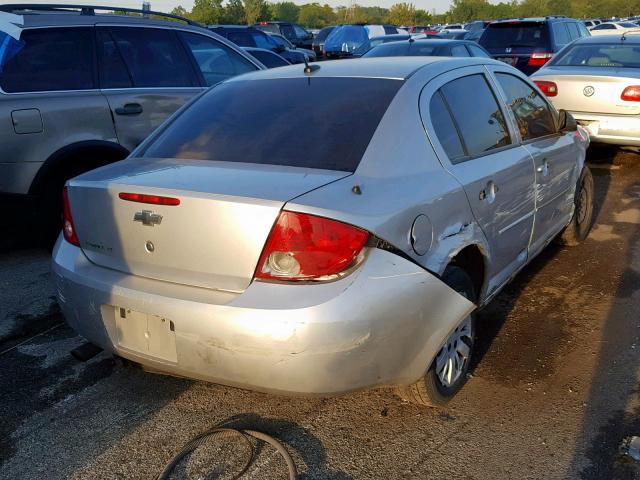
[{"x": 612, "y": 28}]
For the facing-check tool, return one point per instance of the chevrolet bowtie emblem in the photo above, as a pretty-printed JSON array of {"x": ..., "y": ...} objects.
[{"x": 148, "y": 218}]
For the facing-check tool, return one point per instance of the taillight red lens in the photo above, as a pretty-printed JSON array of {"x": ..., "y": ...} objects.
[
  {"x": 538, "y": 59},
  {"x": 68, "y": 228},
  {"x": 550, "y": 89},
  {"x": 631, "y": 94},
  {"x": 306, "y": 247},
  {"x": 152, "y": 199}
]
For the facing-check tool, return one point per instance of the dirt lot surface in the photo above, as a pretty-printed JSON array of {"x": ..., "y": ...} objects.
[{"x": 553, "y": 392}]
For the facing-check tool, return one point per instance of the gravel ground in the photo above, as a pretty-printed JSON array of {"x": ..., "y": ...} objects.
[{"x": 552, "y": 393}]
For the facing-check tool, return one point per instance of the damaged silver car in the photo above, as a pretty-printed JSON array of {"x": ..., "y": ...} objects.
[{"x": 260, "y": 241}]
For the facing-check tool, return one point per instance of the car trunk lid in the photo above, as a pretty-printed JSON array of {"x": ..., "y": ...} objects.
[
  {"x": 600, "y": 93},
  {"x": 214, "y": 236}
]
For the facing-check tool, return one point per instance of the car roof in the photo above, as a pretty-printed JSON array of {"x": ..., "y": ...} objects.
[
  {"x": 630, "y": 37},
  {"x": 432, "y": 41},
  {"x": 394, "y": 68},
  {"x": 392, "y": 35},
  {"x": 45, "y": 18},
  {"x": 531, "y": 19}
]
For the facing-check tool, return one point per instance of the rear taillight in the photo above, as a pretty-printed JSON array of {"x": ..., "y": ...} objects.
[
  {"x": 631, "y": 94},
  {"x": 152, "y": 199},
  {"x": 305, "y": 247},
  {"x": 68, "y": 228},
  {"x": 550, "y": 89},
  {"x": 538, "y": 59}
]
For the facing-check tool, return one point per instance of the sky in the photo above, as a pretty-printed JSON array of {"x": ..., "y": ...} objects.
[{"x": 440, "y": 6}]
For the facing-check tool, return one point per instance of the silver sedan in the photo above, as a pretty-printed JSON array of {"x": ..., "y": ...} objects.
[
  {"x": 597, "y": 79},
  {"x": 259, "y": 241}
]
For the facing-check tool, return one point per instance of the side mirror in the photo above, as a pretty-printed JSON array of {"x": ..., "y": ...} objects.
[{"x": 566, "y": 122}]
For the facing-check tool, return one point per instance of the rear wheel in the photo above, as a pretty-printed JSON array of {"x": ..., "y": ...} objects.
[
  {"x": 582, "y": 220},
  {"x": 448, "y": 372}
]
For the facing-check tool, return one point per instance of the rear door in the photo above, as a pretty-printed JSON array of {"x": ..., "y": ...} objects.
[
  {"x": 146, "y": 75},
  {"x": 555, "y": 155},
  {"x": 478, "y": 146}
]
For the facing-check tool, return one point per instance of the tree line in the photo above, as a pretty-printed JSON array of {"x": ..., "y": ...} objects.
[{"x": 316, "y": 15}]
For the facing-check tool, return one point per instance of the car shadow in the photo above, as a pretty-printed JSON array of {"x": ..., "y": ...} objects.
[{"x": 492, "y": 318}]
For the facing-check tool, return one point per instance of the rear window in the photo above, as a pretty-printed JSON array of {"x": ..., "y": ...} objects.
[
  {"x": 515, "y": 34},
  {"x": 403, "y": 49},
  {"x": 600, "y": 55},
  {"x": 254, "y": 121}
]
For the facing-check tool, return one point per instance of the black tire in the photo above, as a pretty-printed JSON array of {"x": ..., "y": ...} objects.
[
  {"x": 581, "y": 222},
  {"x": 429, "y": 390}
]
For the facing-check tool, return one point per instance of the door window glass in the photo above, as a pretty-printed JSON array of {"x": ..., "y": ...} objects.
[
  {"x": 269, "y": 59},
  {"x": 560, "y": 33},
  {"x": 154, "y": 57},
  {"x": 49, "y": 59},
  {"x": 113, "y": 71},
  {"x": 477, "y": 114},
  {"x": 300, "y": 32},
  {"x": 445, "y": 129},
  {"x": 573, "y": 30},
  {"x": 217, "y": 62},
  {"x": 532, "y": 112}
]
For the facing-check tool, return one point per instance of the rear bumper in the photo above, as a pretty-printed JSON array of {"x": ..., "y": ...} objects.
[
  {"x": 381, "y": 325},
  {"x": 610, "y": 129}
]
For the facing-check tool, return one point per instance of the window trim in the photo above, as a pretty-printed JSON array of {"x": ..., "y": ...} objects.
[
  {"x": 554, "y": 112},
  {"x": 176, "y": 37},
  {"x": 94, "y": 72}
]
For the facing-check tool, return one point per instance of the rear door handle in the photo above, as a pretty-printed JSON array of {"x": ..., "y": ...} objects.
[{"x": 129, "y": 109}]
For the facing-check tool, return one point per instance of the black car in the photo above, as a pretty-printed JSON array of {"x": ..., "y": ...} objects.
[
  {"x": 529, "y": 43},
  {"x": 245, "y": 36},
  {"x": 318, "y": 41},
  {"x": 428, "y": 47},
  {"x": 266, "y": 57},
  {"x": 291, "y": 31}
]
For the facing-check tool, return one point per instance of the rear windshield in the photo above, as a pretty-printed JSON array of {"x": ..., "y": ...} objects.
[
  {"x": 600, "y": 55},
  {"x": 516, "y": 34},
  {"x": 403, "y": 49},
  {"x": 323, "y": 123}
]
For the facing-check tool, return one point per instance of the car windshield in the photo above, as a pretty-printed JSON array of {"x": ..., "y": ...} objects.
[
  {"x": 253, "y": 121},
  {"x": 404, "y": 49},
  {"x": 600, "y": 55},
  {"x": 515, "y": 34}
]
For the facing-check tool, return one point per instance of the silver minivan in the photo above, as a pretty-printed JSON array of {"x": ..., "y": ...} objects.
[{"x": 79, "y": 90}]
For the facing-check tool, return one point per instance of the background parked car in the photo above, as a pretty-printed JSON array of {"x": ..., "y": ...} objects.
[
  {"x": 454, "y": 34},
  {"x": 345, "y": 39},
  {"x": 613, "y": 28},
  {"x": 245, "y": 36},
  {"x": 597, "y": 79},
  {"x": 287, "y": 45},
  {"x": 429, "y": 48},
  {"x": 476, "y": 26},
  {"x": 293, "y": 32},
  {"x": 529, "y": 43},
  {"x": 83, "y": 90},
  {"x": 318, "y": 41},
  {"x": 266, "y": 57},
  {"x": 591, "y": 23},
  {"x": 375, "y": 41}
]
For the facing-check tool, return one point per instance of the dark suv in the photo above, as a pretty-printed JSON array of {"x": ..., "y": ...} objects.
[
  {"x": 291, "y": 31},
  {"x": 80, "y": 89},
  {"x": 529, "y": 43}
]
